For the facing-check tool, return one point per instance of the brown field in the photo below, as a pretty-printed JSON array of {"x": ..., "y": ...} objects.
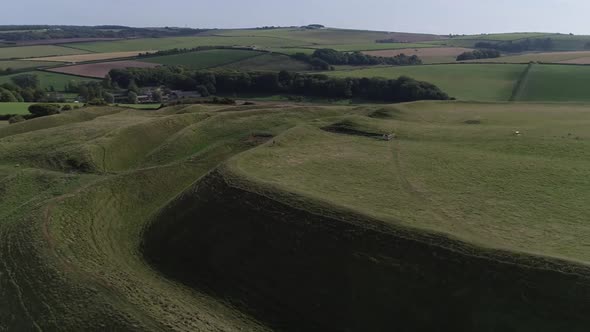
[
  {"x": 422, "y": 52},
  {"x": 101, "y": 69},
  {"x": 89, "y": 57},
  {"x": 578, "y": 61}
]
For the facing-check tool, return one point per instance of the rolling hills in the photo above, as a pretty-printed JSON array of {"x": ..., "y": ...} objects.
[{"x": 210, "y": 217}]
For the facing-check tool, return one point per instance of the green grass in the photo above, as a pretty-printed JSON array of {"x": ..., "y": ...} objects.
[
  {"x": 545, "y": 57},
  {"x": 267, "y": 62},
  {"x": 184, "y": 42},
  {"x": 219, "y": 191},
  {"x": 478, "y": 182},
  {"x": 20, "y": 108},
  {"x": 204, "y": 59},
  {"x": 47, "y": 80},
  {"x": 556, "y": 83},
  {"x": 18, "y": 65},
  {"x": 464, "y": 82},
  {"x": 36, "y": 51}
]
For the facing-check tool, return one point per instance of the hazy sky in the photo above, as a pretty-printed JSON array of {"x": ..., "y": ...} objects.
[{"x": 435, "y": 16}]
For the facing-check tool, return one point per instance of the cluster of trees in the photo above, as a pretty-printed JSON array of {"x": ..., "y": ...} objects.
[
  {"x": 19, "y": 33},
  {"x": 479, "y": 54},
  {"x": 36, "y": 111},
  {"x": 23, "y": 88},
  {"x": 394, "y": 90},
  {"x": 323, "y": 59},
  {"x": 189, "y": 50},
  {"x": 387, "y": 41},
  {"x": 537, "y": 44},
  {"x": 313, "y": 26}
]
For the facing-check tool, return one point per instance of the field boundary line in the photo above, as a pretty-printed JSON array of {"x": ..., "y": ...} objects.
[{"x": 520, "y": 83}]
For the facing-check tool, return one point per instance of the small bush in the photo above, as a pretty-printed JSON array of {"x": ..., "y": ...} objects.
[
  {"x": 16, "y": 119},
  {"x": 38, "y": 110},
  {"x": 97, "y": 102},
  {"x": 66, "y": 108}
]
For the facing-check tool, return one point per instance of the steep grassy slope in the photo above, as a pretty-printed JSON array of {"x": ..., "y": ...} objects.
[{"x": 341, "y": 231}]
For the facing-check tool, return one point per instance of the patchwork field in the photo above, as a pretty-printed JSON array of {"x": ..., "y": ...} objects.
[
  {"x": 90, "y": 57},
  {"x": 48, "y": 80},
  {"x": 36, "y": 51},
  {"x": 204, "y": 59},
  {"x": 185, "y": 42},
  {"x": 100, "y": 69},
  {"x": 464, "y": 82},
  {"x": 168, "y": 219}
]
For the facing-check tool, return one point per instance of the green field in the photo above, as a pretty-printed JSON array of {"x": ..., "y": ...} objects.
[
  {"x": 374, "y": 46},
  {"x": 268, "y": 62},
  {"x": 204, "y": 59},
  {"x": 36, "y": 51},
  {"x": 464, "y": 82},
  {"x": 546, "y": 57},
  {"x": 47, "y": 80},
  {"x": 18, "y": 65},
  {"x": 555, "y": 83}
]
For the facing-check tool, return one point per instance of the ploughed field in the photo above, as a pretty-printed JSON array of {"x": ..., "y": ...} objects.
[{"x": 297, "y": 217}]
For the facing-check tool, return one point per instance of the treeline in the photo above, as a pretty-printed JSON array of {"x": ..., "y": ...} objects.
[
  {"x": 174, "y": 51},
  {"x": 45, "y": 32},
  {"x": 537, "y": 44},
  {"x": 479, "y": 54},
  {"x": 392, "y": 90},
  {"x": 323, "y": 59}
]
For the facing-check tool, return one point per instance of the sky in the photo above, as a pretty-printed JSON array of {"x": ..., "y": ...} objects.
[{"x": 430, "y": 16}]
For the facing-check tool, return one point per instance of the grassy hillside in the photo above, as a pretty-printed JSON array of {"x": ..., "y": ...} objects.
[
  {"x": 556, "y": 83},
  {"x": 120, "y": 201},
  {"x": 465, "y": 82},
  {"x": 204, "y": 59}
]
